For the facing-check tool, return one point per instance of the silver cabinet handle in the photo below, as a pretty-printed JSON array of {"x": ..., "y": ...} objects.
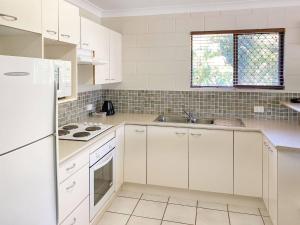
[
  {"x": 71, "y": 167},
  {"x": 85, "y": 44},
  {"x": 16, "y": 74},
  {"x": 65, "y": 35},
  {"x": 139, "y": 131},
  {"x": 178, "y": 133},
  {"x": 71, "y": 186},
  {"x": 8, "y": 17},
  {"x": 197, "y": 135},
  {"x": 74, "y": 221},
  {"x": 52, "y": 32}
]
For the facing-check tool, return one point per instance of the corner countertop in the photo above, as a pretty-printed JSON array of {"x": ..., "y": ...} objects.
[{"x": 282, "y": 134}]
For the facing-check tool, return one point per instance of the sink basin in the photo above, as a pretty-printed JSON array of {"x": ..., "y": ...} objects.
[
  {"x": 171, "y": 119},
  {"x": 174, "y": 119},
  {"x": 219, "y": 122}
]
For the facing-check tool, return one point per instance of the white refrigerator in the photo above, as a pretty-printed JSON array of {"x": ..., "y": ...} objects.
[{"x": 28, "y": 143}]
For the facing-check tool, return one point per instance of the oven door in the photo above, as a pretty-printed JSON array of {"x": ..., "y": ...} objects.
[{"x": 101, "y": 183}]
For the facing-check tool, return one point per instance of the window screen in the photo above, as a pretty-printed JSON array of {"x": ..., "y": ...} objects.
[{"x": 249, "y": 58}]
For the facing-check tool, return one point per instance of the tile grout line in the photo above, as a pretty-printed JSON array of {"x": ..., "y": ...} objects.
[
  {"x": 261, "y": 216},
  {"x": 196, "y": 212},
  {"x": 162, "y": 219},
  {"x": 228, "y": 214},
  {"x": 134, "y": 209}
]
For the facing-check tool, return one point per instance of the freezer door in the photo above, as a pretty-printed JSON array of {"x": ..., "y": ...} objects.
[
  {"x": 27, "y": 96},
  {"x": 28, "y": 185}
]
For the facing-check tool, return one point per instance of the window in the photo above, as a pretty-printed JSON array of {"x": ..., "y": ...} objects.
[{"x": 242, "y": 59}]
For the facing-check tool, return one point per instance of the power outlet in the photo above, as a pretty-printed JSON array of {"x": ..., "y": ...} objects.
[
  {"x": 89, "y": 107},
  {"x": 259, "y": 109}
]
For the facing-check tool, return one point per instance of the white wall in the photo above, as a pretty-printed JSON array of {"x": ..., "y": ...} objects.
[{"x": 156, "y": 49}]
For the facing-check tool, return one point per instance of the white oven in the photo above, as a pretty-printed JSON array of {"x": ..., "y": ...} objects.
[
  {"x": 63, "y": 76},
  {"x": 102, "y": 167}
]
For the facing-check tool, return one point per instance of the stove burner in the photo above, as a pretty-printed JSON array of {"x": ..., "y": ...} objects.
[
  {"x": 81, "y": 134},
  {"x": 94, "y": 128},
  {"x": 63, "y": 132},
  {"x": 70, "y": 127}
]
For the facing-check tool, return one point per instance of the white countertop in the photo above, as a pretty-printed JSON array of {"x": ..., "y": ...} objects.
[{"x": 282, "y": 134}]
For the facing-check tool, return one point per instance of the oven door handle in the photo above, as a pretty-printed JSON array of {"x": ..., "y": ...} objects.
[{"x": 102, "y": 162}]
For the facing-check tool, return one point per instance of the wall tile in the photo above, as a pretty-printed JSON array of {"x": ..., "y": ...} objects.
[{"x": 203, "y": 104}]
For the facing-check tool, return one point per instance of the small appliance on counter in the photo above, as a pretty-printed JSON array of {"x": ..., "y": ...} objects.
[
  {"x": 81, "y": 131},
  {"x": 108, "y": 107},
  {"x": 295, "y": 100}
]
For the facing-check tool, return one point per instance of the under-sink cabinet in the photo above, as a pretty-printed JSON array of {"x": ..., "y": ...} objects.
[
  {"x": 211, "y": 160},
  {"x": 167, "y": 156},
  {"x": 248, "y": 164},
  {"x": 135, "y": 154}
]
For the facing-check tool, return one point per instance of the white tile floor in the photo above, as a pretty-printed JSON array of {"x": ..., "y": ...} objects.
[{"x": 132, "y": 208}]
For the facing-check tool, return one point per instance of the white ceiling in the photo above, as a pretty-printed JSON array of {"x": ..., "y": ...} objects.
[{"x": 112, "y": 8}]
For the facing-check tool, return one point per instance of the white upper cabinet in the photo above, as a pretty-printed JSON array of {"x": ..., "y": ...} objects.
[
  {"x": 167, "y": 156},
  {"x": 50, "y": 19},
  {"x": 69, "y": 23},
  {"x": 115, "y": 57},
  {"x": 248, "y": 164},
  {"x": 88, "y": 34},
  {"x": 109, "y": 52},
  {"x": 211, "y": 160},
  {"x": 24, "y": 15}
]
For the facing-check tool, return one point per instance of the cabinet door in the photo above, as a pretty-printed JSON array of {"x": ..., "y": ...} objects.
[
  {"x": 266, "y": 173},
  {"x": 24, "y": 15},
  {"x": 69, "y": 23},
  {"x": 102, "y": 54},
  {"x": 135, "y": 154},
  {"x": 211, "y": 160},
  {"x": 119, "y": 157},
  {"x": 80, "y": 216},
  {"x": 88, "y": 30},
  {"x": 115, "y": 57},
  {"x": 167, "y": 156},
  {"x": 50, "y": 19},
  {"x": 273, "y": 184},
  {"x": 248, "y": 164}
]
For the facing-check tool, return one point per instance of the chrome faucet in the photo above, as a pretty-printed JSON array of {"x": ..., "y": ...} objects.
[{"x": 191, "y": 117}]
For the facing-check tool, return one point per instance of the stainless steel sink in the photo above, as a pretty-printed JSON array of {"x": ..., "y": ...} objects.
[
  {"x": 174, "y": 119},
  {"x": 218, "y": 122}
]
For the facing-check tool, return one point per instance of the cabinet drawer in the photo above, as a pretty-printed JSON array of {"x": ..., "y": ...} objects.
[
  {"x": 80, "y": 216},
  {"x": 73, "y": 191},
  {"x": 69, "y": 167}
]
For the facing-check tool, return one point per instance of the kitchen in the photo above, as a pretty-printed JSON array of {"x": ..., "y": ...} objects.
[{"x": 137, "y": 112}]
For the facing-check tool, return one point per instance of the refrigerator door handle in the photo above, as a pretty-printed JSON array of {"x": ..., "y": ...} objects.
[{"x": 16, "y": 74}]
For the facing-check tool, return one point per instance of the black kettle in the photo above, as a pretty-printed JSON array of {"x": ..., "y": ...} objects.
[{"x": 108, "y": 107}]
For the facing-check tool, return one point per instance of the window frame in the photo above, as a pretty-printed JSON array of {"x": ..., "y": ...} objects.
[{"x": 235, "y": 33}]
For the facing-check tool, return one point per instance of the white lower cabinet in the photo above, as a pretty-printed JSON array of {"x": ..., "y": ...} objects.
[
  {"x": 266, "y": 174},
  {"x": 80, "y": 216},
  {"x": 248, "y": 169},
  {"x": 135, "y": 154},
  {"x": 119, "y": 157},
  {"x": 211, "y": 160},
  {"x": 270, "y": 180},
  {"x": 167, "y": 156},
  {"x": 273, "y": 185},
  {"x": 73, "y": 191}
]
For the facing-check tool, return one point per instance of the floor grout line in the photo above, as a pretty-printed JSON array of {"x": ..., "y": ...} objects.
[
  {"x": 196, "y": 212},
  {"x": 162, "y": 219},
  {"x": 228, "y": 214},
  {"x": 134, "y": 209}
]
